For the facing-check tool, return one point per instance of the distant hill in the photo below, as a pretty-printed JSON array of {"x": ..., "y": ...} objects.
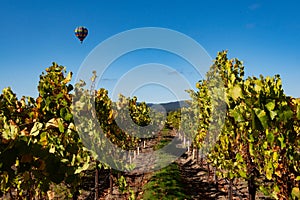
[{"x": 171, "y": 106}]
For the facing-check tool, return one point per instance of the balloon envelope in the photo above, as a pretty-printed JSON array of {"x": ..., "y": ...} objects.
[{"x": 81, "y": 32}]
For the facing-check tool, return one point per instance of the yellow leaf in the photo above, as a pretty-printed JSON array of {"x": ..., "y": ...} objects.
[
  {"x": 43, "y": 139},
  {"x": 296, "y": 193},
  {"x": 36, "y": 128},
  {"x": 236, "y": 92},
  {"x": 278, "y": 172},
  {"x": 52, "y": 149},
  {"x": 68, "y": 78}
]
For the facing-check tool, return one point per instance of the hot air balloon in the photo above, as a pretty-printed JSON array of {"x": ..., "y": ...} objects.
[{"x": 81, "y": 32}]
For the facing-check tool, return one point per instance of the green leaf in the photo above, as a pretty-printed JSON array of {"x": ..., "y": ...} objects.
[
  {"x": 36, "y": 128},
  {"x": 276, "y": 190},
  {"x": 269, "y": 171},
  {"x": 270, "y": 137},
  {"x": 271, "y": 105},
  {"x": 282, "y": 143},
  {"x": 262, "y": 116},
  {"x": 43, "y": 139},
  {"x": 251, "y": 138},
  {"x": 298, "y": 111},
  {"x": 264, "y": 190},
  {"x": 230, "y": 175},
  {"x": 265, "y": 145},
  {"x": 251, "y": 151},
  {"x": 83, "y": 168},
  {"x": 65, "y": 114},
  {"x": 242, "y": 173},
  {"x": 237, "y": 115},
  {"x": 239, "y": 157},
  {"x": 61, "y": 125},
  {"x": 296, "y": 193},
  {"x": 273, "y": 114},
  {"x": 288, "y": 114},
  {"x": 73, "y": 160}
]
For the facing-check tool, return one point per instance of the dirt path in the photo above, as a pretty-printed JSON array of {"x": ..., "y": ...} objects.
[
  {"x": 136, "y": 178},
  {"x": 194, "y": 177},
  {"x": 195, "y": 180}
]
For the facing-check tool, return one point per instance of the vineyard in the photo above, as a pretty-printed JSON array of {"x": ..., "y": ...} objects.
[{"x": 241, "y": 137}]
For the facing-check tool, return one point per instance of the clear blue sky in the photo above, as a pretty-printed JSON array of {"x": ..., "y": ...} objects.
[{"x": 264, "y": 34}]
